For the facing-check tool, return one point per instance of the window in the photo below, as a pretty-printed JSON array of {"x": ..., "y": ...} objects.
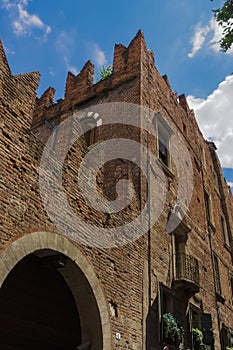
[
  {"x": 224, "y": 230},
  {"x": 164, "y": 133},
  {"x": 88, "y": 125},
  {"x": 203, "y": 322},
  {"x": 217, "y": 275},
  {"x": 202, "y": 155},
  {"x": 231, "y": 286},
  {"x": 226, "y": 337},
  {"x": 54, "y": 138},
  {"x": 163, "y": 150},
  {"x": 179, "y": 250},
  {"x": 215, "y": 176},
  {"x": 169, "y": 304},
  {"x": 208, "y": 207},
  {"x": 184, "y": 128},
  {"x": 53, "y": 126}
]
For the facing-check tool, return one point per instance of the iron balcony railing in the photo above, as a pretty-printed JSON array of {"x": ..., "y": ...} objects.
[{"x": 187, "y": 268}]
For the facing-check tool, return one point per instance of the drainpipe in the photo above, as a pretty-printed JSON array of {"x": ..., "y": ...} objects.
[
  {"x": 149, "y": 246},
  {"x": 211, "y": 254}
]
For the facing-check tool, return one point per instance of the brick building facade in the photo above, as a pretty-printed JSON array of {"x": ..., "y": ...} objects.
[{"x": 57, "y": 293}]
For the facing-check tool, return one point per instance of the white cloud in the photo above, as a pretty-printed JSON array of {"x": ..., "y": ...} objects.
[
  {"x": 64, "y": 43},
  {"x": 23, "y": 22},
  {"x": 230, "y": 184},
  {"x": 7, "y": 4},
  {"x": 208, "y": 37},
  {"x": 69, "y": 67},
  {"x": 9, "y": 51},
  {"x": 198, "y": 39},
  {"x": 214, "y": 116},
  {"x": 51, "y": 72},
  {"x": 65, "y": 46},
  {"x": 217, "y": 35},
  {"x": 98, "y": 55}
]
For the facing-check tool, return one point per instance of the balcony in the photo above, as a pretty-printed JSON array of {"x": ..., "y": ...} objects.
[{"x": 186, "y": 274}]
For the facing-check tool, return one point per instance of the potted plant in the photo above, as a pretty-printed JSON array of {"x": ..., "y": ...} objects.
[
  {"x": 198, "y": 339},
  {"x": 172, "y": 332}
]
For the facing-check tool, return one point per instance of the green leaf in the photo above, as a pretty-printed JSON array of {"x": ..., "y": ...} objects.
[
  {"x": 104, "y": 73},
  {"x": 224, "y": 17}
]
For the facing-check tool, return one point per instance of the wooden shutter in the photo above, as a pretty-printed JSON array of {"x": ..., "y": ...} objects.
[
  {"x": 224, "y": 337},
  {"x": 206, "y": 325},
  {"x": 230, "y": 338}
]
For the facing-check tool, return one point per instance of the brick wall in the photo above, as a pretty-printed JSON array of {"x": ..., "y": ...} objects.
[{"x": 130, "y": 275}]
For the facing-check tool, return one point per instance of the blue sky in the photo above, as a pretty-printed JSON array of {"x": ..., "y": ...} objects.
[{"x": 56, "y": 36}]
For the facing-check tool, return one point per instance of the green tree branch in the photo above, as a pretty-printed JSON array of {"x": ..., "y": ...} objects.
[{"x": 224, "y": 17}]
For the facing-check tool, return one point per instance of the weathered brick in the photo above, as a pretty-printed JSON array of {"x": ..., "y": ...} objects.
[{"x": 129, "y": 275}]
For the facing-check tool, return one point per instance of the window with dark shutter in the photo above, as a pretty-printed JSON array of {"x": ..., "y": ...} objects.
[
  {"x": 207, "y": 206},
  {"x": 164, "y": 133},
  {"x": 169, "y": 304},
  {"x": 231, "y": 338},
  {"x": 217, "y": 275},
  {"x": 231, "y": 286},
  {"x": 203, "y": 322},
  {"x": 206, "y": 325},
  {"x": 163, "y": 153},
  {"x": 226, "y": 335}
]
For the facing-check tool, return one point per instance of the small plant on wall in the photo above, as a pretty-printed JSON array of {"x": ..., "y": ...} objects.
[
  {"x": 104, "y": 73},
  {"x": 172, "y": 332}
]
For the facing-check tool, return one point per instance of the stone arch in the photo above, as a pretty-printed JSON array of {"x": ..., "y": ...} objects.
[{"x": 79, "y": 266}]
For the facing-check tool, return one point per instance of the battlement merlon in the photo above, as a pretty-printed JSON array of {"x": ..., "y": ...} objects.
[
  {"x": 16, "y": 85},
  {"x": 127, "y": 65},
  {"x": 134, "y": 62}
]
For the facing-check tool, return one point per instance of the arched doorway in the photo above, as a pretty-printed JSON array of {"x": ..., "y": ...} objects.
[
  {"x": 38, "y": 310},
  {"x": 45, "y": 257}
]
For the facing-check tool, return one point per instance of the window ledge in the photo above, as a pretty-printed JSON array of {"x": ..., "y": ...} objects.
[
  {"x": 227, "y": 247},
  {"x": 217, "y": 191},
  {"x": 166, "y": 169},
  {"x": 220, "y": 298},
  {"x": 172, "y": 347},
  {"x": 212, "y": 226}
]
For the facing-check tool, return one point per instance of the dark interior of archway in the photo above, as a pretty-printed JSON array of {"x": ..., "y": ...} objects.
[{"x": 37, "y": 309}]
